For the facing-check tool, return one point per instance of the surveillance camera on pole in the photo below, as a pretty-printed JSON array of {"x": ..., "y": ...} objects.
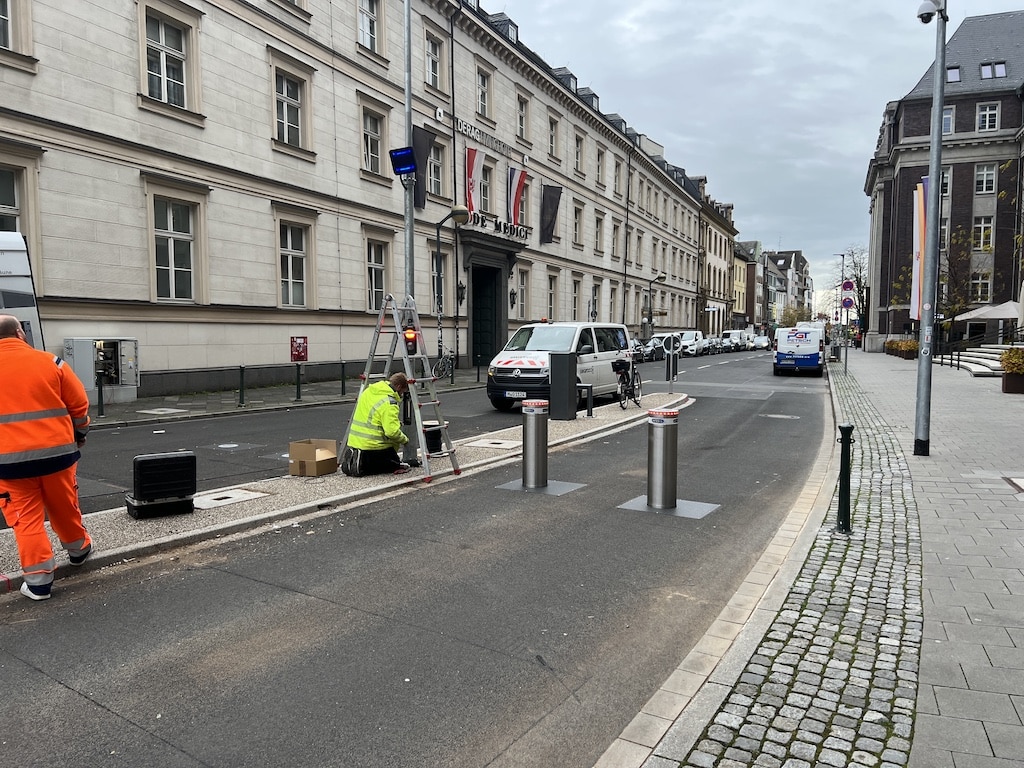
[{"x": 929, "y": 9}]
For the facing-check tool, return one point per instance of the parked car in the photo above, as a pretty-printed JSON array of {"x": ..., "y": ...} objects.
[
  {"x": 737, "y": 340},
  {"x": 717, "y": 345},
  {"x": 654, "y": 349},
  {"x": 762, "y": 342},
  {"x": 639, "y": 353},
  {"x": 692, "y": 343}
]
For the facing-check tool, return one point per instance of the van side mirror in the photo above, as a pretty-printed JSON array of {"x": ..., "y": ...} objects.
[{"x": 586, "y": 349}]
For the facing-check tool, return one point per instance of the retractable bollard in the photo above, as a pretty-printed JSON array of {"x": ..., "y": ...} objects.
[
  {"x": 846, "y": 440},
  {"x": 535, "y": 443},
  {"x": 662, "y": 456}
]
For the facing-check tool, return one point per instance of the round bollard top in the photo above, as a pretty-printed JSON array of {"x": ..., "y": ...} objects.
[
  {"x": 656, "y": 416},
  {"x": 535, "y": 406}
]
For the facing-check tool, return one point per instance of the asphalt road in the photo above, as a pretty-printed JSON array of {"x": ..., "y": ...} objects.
[{"x": 457, "y": 624}]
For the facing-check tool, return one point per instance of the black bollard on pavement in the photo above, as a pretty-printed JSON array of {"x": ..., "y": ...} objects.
[
  {"x": 846, "y": 440},
  {"x": 241, "y": 386},
  {"x": 298, "y": 382}
]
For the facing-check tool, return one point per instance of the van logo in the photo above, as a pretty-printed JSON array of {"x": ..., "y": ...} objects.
[{"x": 516, "y": 373}]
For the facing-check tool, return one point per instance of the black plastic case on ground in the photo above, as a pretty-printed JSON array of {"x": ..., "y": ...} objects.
[{"x": 164, "y": 484}]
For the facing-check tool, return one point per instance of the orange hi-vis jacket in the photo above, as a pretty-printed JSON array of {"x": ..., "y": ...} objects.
[{"x": 44, "y": 412}]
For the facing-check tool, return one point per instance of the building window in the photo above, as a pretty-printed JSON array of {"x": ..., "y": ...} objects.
[
  {"x": 577, "y": 225},
  {"x": 952, "y": 74},
  {"x": 438, "y": 269},
  {"x": 578, "y": 155},
  {"x": 600, "y": 166},
  {"x": 434, "y": 62},
  {"x": 376, "y": 268},
  {"x": 483, "y": 93},
  {"x": 369, "y": 21},
  {"x": 981, "y": 287},
  {"x": 289, "y": 109},
  {"x": 485, "y": 188},
  {"x": 435, "y": 170},
  {"x": 947, "y": 120},
  {"x": 10, "y": 211},
  {"x": 599, "y": 233},
  {"x": 524, "y": 206},
  {"x": 982, "y": 233},
  {"x": 944, "y": 177},
  {"x": 5, "y": 24},
  {"x": 985, "y": 178},
  {"x": 616, "y": 234},
  {"x": 293, "y": 264},
  {"x": 993, "y": 69},
  {"x": 165, "y": 61},
  {"x": 617, "y": 178},
  {"x": 575, "y": 299},
  {"x": 174, "y": 236},
  {"x": 553, "y": 137},
  {"x": 988, "y": 117},
  {"x": 522, "y": 117},
  {"x": 373, "y": 131},
  {"x": 943, "y": 233},
  {"x": 552, "y": 296},
  {"x": 523, "y": 301}
]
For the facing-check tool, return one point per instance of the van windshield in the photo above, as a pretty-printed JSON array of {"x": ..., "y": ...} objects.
[{"x": 546, "y": 338}]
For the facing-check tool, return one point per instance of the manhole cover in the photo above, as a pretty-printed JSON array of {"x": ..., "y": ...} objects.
[{"x": 214, "y": 499}]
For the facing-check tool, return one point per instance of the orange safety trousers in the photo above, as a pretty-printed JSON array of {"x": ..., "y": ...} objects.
[{"x": 31, "y": 498}]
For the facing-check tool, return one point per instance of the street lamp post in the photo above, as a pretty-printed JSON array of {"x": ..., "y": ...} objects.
[
  {"x": 928, "y": 10},
  {"x": 460, "y": 214},
  {"x": 659, "y": 278}
]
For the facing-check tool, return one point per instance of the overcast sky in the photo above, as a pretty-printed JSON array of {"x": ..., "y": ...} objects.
[{"x": 777, "y": 102}]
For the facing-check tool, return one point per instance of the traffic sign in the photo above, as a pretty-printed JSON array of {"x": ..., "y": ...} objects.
[
  {"x": 847, "y": 285},
  {"x": 847, "y": 303}
]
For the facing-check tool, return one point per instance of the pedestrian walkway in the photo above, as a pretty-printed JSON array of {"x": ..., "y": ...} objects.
[{"x": 899, "y": 644}]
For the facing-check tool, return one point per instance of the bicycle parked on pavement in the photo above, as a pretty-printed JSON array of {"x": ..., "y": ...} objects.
[
  {"x": 445, "y": 365},
  {"x": 630, "y": 387}
]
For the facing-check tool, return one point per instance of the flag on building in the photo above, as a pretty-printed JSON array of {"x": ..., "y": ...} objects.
[
  {"x": 920, "y": 241},
  {"x": 474, "y": 170},
  {"x": 516, "y": 182},
  {"x": 550, "y": 197}
]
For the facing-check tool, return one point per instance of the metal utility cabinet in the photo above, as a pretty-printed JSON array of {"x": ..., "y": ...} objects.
[{"x": 112, "y": 364}]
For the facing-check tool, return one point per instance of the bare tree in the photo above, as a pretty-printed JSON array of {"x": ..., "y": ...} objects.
[{"x": 852, "y": 265}]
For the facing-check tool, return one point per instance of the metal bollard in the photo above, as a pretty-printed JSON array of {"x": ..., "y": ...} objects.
[
  {"x": 535, "y": 443},
  {"x": 662, "y": 455},
  {"x": 241, "y": 386},
  {"x": 99, "y": 395},
  {"x": 298, "y": 382},
  {"x": 846, "y": 440}
]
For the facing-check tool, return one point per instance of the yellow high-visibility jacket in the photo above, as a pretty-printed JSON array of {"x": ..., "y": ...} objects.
[{"x": 376, "y": 424}]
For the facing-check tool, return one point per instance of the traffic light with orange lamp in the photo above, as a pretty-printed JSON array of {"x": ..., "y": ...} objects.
[{"x": 409, "y": 335}]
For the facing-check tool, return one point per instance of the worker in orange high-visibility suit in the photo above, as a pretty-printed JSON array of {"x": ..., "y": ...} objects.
[{"x": 44, "y": 417}]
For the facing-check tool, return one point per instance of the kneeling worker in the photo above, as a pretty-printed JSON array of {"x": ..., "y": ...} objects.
[{"x": 376, "y": 430}]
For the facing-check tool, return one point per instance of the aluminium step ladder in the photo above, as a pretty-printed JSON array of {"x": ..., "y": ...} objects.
[{"x": 406, "y": 353}]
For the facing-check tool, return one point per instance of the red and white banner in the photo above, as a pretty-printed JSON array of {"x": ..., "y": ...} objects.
[
  {"x": 920, "y": 240},
  {"x": 474, "y": 170},
  {"x": 516, "y": 182}
]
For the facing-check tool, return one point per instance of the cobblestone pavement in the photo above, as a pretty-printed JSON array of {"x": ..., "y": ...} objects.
[{"x": 834, "y": 682}]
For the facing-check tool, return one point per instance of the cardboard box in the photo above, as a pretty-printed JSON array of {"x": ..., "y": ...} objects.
[{"x": 312, "y": 458}]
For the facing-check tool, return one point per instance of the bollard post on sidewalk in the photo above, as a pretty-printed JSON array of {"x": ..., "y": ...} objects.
[
  {"x": 241, "y": 386},
  {"x": 298, "y": 382},
  {"x": 99, "y": 394},
  {"x": 535, "y": 444},
  {"x": 662, "y": 457},
  {"x": 846, "y": 440}
]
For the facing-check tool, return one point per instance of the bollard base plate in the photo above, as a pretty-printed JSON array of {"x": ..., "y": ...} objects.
[
  {"x": 695, "y": 510},
  {"x": 553, "y": 488}
]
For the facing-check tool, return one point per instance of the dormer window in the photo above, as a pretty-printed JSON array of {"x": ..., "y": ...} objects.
[
  {"x": 952, "y": 74},
  {"x": 993, "y": 69}
]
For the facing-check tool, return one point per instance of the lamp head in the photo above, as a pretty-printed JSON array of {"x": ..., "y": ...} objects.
[{"x": 460, "y": 214}]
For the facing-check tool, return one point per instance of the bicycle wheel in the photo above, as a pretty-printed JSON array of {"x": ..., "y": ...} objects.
[
  {"x": 622, "y": 390},
  {"x": 637, "y": 388},
  {"x": 442, "y": 368}
]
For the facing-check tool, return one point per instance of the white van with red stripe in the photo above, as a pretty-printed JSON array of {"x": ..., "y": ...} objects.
[{"x": 522, "y": 370}]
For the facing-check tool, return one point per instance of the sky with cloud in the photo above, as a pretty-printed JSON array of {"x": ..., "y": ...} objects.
[{"x": 779, "y": 103}]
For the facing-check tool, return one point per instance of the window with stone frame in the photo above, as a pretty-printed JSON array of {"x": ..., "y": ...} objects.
[
  {"x": 985, "y": 178},
  {"x": 293, "y": 243}
]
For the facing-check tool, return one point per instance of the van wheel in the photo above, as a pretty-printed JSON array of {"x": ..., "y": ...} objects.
[
  {"x": 776, "y": 371},
  {"x": 502, "y": 403}
]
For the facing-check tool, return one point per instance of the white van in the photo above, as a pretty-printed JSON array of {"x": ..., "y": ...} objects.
[
  {"x": 798, "y": 349},
  {"x": 521, "y": 371}
]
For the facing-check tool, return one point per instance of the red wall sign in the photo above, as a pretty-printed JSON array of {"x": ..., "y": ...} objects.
[{"x": 299, "y": 349}]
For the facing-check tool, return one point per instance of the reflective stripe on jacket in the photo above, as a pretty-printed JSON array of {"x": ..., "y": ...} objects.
[
  {"x": 375, "y": 423},
  {"x": 44, "y": 411}
]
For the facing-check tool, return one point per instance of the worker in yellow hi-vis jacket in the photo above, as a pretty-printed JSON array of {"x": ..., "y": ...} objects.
[{"x": 376, "y": 432}]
